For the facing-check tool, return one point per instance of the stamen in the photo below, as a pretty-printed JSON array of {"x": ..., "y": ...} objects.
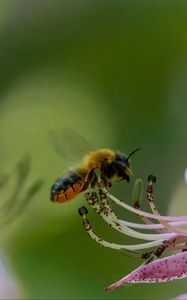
[
  {"x": 136, "y": 200},
  {"x": 151, "y": 225},
  {"x": 151, "y": 180},
  {"x": 83, "y": 211},
  {"x": 93, "y": 201},
  {"x": 168, "y": 238},
  {"x": 142, "y": 213},
  {"x": 133, "y": 254},
  {"x": 105, "y": 204},
  {"x": 159, "y": 251},
  {"x": 136, "y": 197},
  {"x": 148, "y": 225},
  {"x": 177, "y": 248}
]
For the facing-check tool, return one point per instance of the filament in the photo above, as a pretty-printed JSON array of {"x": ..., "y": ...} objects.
[
  {"x": 141, "y": 212},
  {"x": 153, "y": 207},
  {"x": 111, "y": 245},
  {"x": 92, "y": 200}
]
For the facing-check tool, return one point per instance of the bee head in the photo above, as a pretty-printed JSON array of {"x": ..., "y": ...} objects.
[{"x": 123, "y": 162}]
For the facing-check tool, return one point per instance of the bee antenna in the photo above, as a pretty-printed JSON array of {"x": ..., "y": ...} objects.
[{"x": 133, "y": 153}]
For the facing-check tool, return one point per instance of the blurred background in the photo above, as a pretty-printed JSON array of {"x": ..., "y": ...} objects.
[{"x": 114, "y": 71}]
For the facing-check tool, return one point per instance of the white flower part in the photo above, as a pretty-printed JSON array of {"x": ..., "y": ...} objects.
[
  {"x": 9, "y": 288},
  {"x": 185, "y": 175}
]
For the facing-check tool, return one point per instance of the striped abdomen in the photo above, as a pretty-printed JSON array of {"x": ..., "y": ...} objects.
[{"x": 69, "y": 186}]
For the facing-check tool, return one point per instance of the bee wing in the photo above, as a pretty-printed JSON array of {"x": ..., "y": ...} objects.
[{"x": 69, "y": 144}]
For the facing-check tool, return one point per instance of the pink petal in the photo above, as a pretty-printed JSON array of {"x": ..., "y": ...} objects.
[
  {"x": 160, "y": 270},
  {"x": 181, "y": 297}
]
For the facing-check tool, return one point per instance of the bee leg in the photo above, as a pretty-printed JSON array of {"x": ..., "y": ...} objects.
[
  {"x": 85, "y": 186},
  {"x": 95, "y": 174},
  {"x": 91, "y": 179},
  {"x": 93, "y": 183},
  {"x": 96, "y": 179}
]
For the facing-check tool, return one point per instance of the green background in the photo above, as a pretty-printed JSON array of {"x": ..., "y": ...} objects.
[{"x": 115, "y": 71}]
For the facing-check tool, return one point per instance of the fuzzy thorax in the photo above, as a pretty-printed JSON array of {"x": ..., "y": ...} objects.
[{"x": 95, "y": 159}]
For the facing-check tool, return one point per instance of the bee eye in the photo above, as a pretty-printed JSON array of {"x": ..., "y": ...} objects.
[{"x": 121, "y": 159}]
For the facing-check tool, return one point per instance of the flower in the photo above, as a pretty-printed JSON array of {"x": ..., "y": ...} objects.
[
  {"x": 181, "y": 297},
  {"x": 10, "y": 288},
  {"x": 168, "y": 236},
  {"x": 12, "y": 205},
  {"x": 161, "y": 270}
]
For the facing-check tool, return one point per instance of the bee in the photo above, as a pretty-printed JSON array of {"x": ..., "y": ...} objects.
[{"x": 112, "y": 166}]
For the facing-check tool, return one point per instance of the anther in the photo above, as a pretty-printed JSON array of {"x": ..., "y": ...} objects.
[
  {"x": 151, "y": 178},
  {"x": 82, "y": 211}
]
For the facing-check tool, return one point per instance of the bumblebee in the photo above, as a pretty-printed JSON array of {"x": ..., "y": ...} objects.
[{"x": 112, "y": 166}]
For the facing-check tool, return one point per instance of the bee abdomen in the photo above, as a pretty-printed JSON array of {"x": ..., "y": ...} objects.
[{"x": 68, "y": 186}]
